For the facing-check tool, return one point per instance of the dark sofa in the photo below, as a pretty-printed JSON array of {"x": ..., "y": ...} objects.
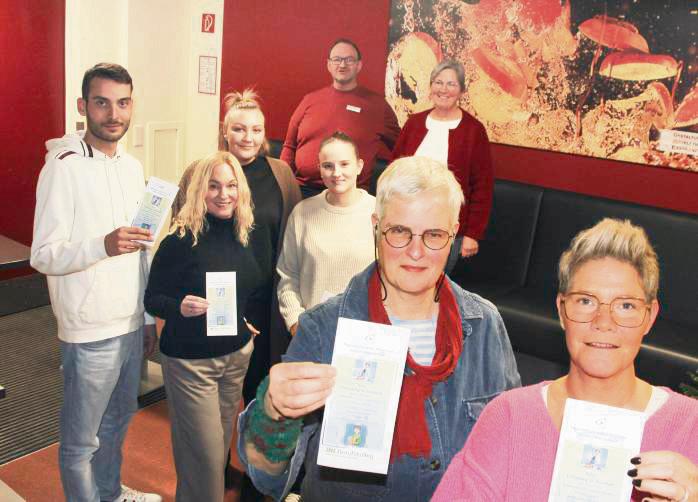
[{"x": 516, "y": 269}]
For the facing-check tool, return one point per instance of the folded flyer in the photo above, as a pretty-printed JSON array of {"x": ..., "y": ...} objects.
[
  {"x": 156, "y": 203},
  {"x": 359, "y": 419}
]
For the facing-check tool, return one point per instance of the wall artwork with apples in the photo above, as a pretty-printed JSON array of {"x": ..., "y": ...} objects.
[{"x": 615, "y": 79}]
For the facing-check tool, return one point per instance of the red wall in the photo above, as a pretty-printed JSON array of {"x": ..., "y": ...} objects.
[
  {"x": 32, "y": 90},
  {"x": 652, "y": 186},
  {"x": 32, "y": 93},
  {"x": 280, "y": 47}
]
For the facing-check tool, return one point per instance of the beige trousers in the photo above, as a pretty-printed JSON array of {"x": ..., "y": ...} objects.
[{"x": 203, "y": 397}]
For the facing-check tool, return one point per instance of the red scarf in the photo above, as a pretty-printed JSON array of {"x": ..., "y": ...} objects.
[{"x": 411, "y": 432}]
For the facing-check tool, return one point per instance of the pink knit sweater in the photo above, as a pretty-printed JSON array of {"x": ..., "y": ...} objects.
[{"x": 510, "y": 453}]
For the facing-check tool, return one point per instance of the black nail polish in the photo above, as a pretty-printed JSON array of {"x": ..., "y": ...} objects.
[
  {"x": 637, "y": 482},
  {"x": 632, "y": 473},
  {"x": 635, "y": 460}
]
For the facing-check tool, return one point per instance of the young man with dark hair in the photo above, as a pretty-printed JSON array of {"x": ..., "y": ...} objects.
[
  {"x": 107, "y": 71},
  {"x": 87, "y": 195},
  {"x": 343, "y": 106}
]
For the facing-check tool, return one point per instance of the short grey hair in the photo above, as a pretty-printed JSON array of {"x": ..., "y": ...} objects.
[
  {"x": 410, "y": 176},
  {"x": 617, "y": 239},
  {"x": 449, "y": 64}
]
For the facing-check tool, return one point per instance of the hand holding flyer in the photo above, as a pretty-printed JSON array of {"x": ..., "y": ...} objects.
[
  {"x": 157, "y": 201},
  {"x": 359, "y": 420},
  {"x": 594, "y": 451}
]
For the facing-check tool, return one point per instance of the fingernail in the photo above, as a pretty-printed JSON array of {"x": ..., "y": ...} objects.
[
  {"x": 637, "y": 482},
  {"x": 635, "y": 460},
  {"x": 632, "y": 473}
]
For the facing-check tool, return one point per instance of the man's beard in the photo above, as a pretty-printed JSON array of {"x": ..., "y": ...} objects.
[
  {"x": 99, "y": 131},
  {"x": 346, "y": 80}
]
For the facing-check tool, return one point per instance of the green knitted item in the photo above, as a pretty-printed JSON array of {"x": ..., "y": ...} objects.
[{"x": 276, "y": 440}]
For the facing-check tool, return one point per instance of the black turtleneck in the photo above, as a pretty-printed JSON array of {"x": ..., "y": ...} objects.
[{"x": 178, "y": 269}]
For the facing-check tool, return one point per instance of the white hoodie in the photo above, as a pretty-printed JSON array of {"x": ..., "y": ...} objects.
[{"x": 82, "y": 195}]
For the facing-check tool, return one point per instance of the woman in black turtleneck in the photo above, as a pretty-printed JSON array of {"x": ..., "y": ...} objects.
[{"x": 204, "y": 374}]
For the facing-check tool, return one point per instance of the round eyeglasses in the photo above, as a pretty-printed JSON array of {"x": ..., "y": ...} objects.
[
  {"x": 399, "y": 237},
  {"x": 625, "y": 312}
]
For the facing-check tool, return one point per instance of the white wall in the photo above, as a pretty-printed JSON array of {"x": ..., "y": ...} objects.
[
  {"x": 159, "y": 42},
  {"x": 202, "y": 108},
  {"x": 95, "y": 31}
]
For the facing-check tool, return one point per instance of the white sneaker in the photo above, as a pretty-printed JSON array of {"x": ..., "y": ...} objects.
[{"x": 131, "y": 495}]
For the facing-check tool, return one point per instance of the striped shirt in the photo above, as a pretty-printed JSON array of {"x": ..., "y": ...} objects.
[{"x": 422, "y": 338}]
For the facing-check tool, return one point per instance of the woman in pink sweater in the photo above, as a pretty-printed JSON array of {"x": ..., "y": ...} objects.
[{"x": 607, "y": 303}]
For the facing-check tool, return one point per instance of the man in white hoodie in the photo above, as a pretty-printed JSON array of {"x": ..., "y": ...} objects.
[{"x": 87, "y": 195}]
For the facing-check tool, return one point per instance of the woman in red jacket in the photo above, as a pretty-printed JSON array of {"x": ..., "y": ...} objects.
[{"x": 451, "y": 135}]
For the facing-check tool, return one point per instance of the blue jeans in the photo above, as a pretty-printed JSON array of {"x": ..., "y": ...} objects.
[{"x": 100, "y": 395}]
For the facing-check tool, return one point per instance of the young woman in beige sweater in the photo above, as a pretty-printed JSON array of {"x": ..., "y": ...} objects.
[{"x": 329, "y": 237}]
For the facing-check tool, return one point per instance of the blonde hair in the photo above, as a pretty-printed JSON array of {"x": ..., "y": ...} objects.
[
  {"x": 410, "y": 176},
  {"x": 236, "y": 101},
  {"x": 617, "y": 239},
  {"x": 192, "y": 215}
]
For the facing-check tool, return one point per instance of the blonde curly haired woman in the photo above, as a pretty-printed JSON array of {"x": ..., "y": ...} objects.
[{"x": 204, "y": 374}]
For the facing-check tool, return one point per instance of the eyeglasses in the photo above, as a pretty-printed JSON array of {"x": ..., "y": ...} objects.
[
  {"x": 349, "y": 60},
  {"x": 399, "y": 237},
  {"x": 449, "y": 85},
  {"x": 625, "y": 312}
]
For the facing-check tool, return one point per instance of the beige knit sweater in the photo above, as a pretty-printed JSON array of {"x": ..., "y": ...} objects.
[{"x": 324, "y": 247}]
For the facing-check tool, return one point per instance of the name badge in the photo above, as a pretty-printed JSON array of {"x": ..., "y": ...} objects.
[{"x": 354, "y": 109}]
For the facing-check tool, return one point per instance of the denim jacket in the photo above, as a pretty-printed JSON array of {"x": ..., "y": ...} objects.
[{"x": 485, "y": 369}]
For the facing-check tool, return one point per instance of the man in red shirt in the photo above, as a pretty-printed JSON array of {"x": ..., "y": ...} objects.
[{"x": 343, "y": 106}]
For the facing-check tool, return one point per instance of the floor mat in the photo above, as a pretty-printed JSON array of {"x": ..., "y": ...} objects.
[{"x": 30, "y": 372}]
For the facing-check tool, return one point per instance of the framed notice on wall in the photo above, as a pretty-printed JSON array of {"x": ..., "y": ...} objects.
[{"x": 208, "y": 72}]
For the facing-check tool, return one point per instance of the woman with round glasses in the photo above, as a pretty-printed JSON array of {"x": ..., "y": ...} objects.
[
  {"x": 459, "y": 354},
  {"x": 451, "y": 135},
  {"x": 607, "y": 303}
]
